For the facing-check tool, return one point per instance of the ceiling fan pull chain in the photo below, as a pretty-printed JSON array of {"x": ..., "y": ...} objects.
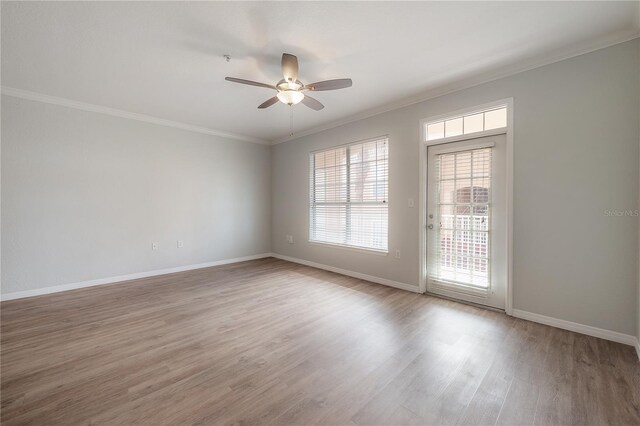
[{"x": 291, "y": 121}]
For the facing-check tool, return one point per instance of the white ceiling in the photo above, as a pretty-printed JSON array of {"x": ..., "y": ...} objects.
[{"x": 165, "y": 59}]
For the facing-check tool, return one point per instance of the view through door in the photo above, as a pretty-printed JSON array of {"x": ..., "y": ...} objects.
[{"x": 467, "y": 220}]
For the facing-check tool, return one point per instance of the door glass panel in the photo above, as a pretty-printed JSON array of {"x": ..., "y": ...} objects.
[{"x": 463, "y": 234}]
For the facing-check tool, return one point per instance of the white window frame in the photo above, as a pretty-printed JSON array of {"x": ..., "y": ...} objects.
[
  {"x": 347, "y": 246},
  {"x": 424, "y": 144}
]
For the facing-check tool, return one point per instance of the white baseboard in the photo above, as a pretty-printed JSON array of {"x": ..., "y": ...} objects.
[
  {"x": 128, "y": 277},
  {"x": 359, "y": 275},
  {"x": 614, "y": 336},
  {"x": 638, "y": 347}
]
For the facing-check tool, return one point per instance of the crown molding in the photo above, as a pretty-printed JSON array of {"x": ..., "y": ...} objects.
[
  {"x": 463, "y": 84},
  {"x": 432, "y": 93},
  {"x": 54, "y": 100}
]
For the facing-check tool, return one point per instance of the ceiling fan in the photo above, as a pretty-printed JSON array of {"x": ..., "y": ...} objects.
[{"x": 292, "y": 91}]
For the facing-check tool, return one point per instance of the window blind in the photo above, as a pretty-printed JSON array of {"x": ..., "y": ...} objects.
[
  {"x": 349, "y": 191},
  {"x": 462, "y": 249}
]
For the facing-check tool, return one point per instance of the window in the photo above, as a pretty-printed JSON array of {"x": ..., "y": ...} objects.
[
  {"x": 349, "y": 193},
  {"x": 472, "y": 123}
]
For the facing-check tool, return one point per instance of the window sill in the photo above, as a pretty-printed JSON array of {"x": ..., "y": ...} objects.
[{"x": 349, "y": 248}]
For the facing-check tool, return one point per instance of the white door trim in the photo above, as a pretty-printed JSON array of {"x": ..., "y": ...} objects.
[{"x": 423, "y": 143}]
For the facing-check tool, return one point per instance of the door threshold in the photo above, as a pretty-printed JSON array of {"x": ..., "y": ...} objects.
[{"x": 465, "y": 302}]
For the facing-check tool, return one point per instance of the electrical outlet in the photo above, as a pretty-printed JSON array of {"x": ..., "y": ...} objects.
[
  {"x": 154, "y": 246},
  {"x": 397, "y": 254},
  {"x": 411, "y": 203},
  {"x": 180, "y": 243},
  {"x": 290, "y": 239}
]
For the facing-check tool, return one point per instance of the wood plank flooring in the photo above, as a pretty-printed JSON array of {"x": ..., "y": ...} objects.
[{"x": 272, "y": 342}]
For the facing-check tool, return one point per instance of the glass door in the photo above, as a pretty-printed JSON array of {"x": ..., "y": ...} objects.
[{"x": 466, "y": 220}]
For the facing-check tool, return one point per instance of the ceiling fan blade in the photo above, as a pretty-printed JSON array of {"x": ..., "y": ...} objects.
[
  {"x": 250, "y": 83},
  {"x": 268, "y": 103},
  {"x": 312, "y": 103},
  {"x": 289, "y": 67},
  {"x": 340, "y": 83}
]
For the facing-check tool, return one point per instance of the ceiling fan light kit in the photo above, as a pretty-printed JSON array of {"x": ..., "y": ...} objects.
[
  {"x": 291, "y": 90},
  {"x": 290, "y": 97}
]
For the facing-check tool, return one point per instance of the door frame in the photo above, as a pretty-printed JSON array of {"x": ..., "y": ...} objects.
[{"x": 424, "y": 144}]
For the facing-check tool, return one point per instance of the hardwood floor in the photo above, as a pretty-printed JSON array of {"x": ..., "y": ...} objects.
[{"x": 272, "y": 342}]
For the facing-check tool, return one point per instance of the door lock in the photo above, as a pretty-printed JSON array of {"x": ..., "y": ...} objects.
[{"x": 430, "y": 226}]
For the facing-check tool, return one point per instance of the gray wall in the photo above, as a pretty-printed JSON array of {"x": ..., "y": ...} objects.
[
  {"x": 576, "y": 156},
  {"x": 84, "y": 195}
]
